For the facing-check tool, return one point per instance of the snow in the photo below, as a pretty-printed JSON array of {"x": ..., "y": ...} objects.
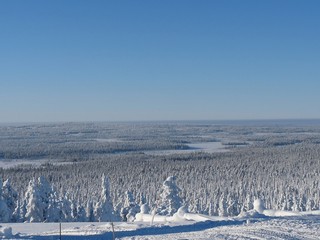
[
  {"x": 182, "y": 225},
  {"x": 6, "y": 232},
  {"x": 16, "y": 162},
  {"x": 107, "y": 140},
  {"x": 11, "y": 163},
  {"x": 169, "y": 201},
  {"x": 208, "y": 147},
  {"x": 258, "y": 205}
]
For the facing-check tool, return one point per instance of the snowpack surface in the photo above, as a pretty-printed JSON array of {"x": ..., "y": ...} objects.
[{"x": 251, "y": 225}]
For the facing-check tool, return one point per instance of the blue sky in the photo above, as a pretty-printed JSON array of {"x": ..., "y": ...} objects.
[{"x": 159, "y": 60}]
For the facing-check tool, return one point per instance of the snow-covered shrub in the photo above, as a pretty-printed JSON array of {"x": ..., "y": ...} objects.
[
  {"x": 6, "y": 232},
  {"x": 258, "y": 205},
  {"x": 179, "y": 215},
  {"x": 144, "y": 208}
]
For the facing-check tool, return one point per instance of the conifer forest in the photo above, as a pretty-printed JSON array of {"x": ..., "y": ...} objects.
[{"x": 111, "y": 171}]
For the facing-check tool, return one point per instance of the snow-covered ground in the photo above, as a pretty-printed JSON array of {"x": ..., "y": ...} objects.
[
  {"x": 11, "y": 163},
  {"x": 187, "y": 226},
  {"x": 208, "y": 147},
  {"x": 108, "y": 140}
]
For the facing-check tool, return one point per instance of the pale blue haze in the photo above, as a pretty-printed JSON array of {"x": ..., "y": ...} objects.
[{"x": 159, "y": 60}]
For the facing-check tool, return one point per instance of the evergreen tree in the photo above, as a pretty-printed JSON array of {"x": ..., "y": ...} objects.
[
  {"x": 11, "y": 197},
  {"x": 104, "y": 209},
  {"x": 222, "y": 210},
  {"x": 34, "y": 205},
  {"x": 81, "y": 213},
  {"x": 66, "y": 210},
  {"x": 5, "y": 213},
  {"x": 38, "y": 197},
  {"x": 46, "y": 195},
  {"x": 169, "y": 201},
  {"x": 90, "y": 212},
  {"x": 54, "y": 211},
  {"x": 130, "y": 208}
]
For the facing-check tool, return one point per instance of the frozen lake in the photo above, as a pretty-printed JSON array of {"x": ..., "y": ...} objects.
[{"x": 208, "y": 147}]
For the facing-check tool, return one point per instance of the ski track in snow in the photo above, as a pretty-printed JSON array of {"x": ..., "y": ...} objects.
[
  {"x": 296, "y": 227},
  {"x": 278, "y": 228}
]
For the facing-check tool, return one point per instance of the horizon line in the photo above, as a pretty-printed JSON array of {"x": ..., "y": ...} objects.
[{"x": 164, "y": 120}]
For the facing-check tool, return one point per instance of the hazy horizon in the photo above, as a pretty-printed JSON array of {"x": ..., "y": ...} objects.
[{"x": 235, "y": 122}]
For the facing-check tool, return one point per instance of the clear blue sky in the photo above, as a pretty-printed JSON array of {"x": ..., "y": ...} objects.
[{"x": 159, "y": 60}]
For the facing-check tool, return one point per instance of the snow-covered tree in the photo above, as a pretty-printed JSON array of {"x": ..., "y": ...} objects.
[
  {"x": 54, "y": 210},
  {"x": 34, "y": 205},
  {"x": 81, "y": 213},
  {"x": 130, "y": 208},
  {"x": 169, "y": 201},
  {"x": 90, "y": 212},
  {"x": 10, "y": 196},
  {"x": 222, "y": 210},
  {"x": 46, "y": 194},
  {"x": 74, "y": 211},
  {"x": 5, "y": 213},
  {"x": 104, "y": 209},
  {"x": 227, "y": 180},
  {"x": 38, "y": 197},
  {"x": 66, "y": 209},
  {"x": 20, "y": 211},
  {"x": 16, "y": 215}
]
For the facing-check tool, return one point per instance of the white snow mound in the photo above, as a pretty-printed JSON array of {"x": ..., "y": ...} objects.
[{"x": 5, "y": 232}]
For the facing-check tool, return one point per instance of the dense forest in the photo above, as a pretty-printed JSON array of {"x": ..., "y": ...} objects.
[{"x": 278, "y": 162}]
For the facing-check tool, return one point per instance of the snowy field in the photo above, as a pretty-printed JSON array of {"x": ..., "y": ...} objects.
[
  {"x": 251, "y": 225},
  {"x": 11, "y": 163},
  {"x": 207, "y": 147}
]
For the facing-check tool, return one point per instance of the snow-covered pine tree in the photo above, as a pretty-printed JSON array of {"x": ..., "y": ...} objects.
[
  {"x": 130, "y": 208},
  {"x": 104, "y": 209},
  {"x": 66, "y": 210},
  {"x": 16, "y": 215},
  {"x": 38, "y": 197},
  {"x": 74, "y": 211},
  {"x": 169, "y": 201},
  {"x": 11, "y": 198},
  {"x": 46, "y": 194},
  {"x": 34, "y": 205},
  {"x": 90, "y": 212},
  {"x": 21, "y": 211},
  {"x": 222, "y": 210},
  {"x": 5, "y": 213},
  {"x": 81, "y": 217},
  {"x": 54, "y": 211}
]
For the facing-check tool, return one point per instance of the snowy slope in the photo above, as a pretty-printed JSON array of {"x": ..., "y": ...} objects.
[{"x": 251, "y": 225}]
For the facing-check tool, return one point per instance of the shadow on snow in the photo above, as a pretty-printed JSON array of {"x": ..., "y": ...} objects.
[{"x": 199, "y": 226}]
